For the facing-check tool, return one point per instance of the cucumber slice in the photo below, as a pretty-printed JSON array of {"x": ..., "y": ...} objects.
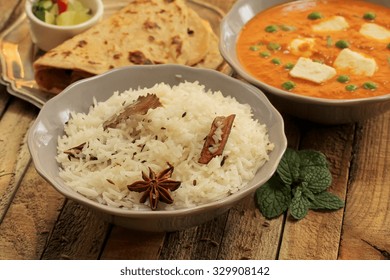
[
  {"x": 81, "y": 17},
  {"x": 54, "y": 9},
  {"x": 66, "y": 18},
  {"x": 46, "y": 5},
  {"x": 50, "y": 18}
]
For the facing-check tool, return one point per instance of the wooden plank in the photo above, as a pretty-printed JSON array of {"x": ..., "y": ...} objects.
[
  {"x": 292, "y": 129},
  {"x": 79, "y": 234},
  {"x": 197, "y": 243},
  {"x": 126, "y": 244},
  {"x": 250, "y": 236},
  {"x": 317, "y": 236},
  {"x": 30, "y": 218},
  {"x": 367, "y": 219},
  {"x": 14, "y": 153}
]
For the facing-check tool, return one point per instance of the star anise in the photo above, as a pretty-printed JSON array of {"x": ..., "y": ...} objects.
[{"x": 156, "y": 187}]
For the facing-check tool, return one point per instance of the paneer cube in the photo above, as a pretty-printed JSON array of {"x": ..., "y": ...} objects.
[
  {"x": 307, "y": 69},
  {"x": 334, "y": 23},
  {"x": 355, "y": 63},
  {"x": 375, "y": 31}
]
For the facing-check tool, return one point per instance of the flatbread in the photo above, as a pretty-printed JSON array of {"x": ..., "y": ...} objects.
[
  {"x": 213, "y": 58},
  {"x": 144, "y": 32},
  {"x": 199, "y": 37}
]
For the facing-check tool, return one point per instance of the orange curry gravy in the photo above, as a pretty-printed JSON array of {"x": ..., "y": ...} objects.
[{"x": 292, "y": 22}]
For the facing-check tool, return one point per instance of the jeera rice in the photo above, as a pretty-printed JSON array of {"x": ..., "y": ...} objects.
[{"x": 113, "y": 158}]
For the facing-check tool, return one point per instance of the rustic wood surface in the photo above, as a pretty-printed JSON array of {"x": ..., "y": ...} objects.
[{"x": 36, "y": 222}]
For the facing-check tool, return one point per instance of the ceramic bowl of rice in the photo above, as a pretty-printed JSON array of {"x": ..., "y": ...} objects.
[{"x": 159, "y": 147}]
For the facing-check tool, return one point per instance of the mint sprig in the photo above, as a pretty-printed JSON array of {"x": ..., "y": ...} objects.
[{"x": 299, "y": 184}]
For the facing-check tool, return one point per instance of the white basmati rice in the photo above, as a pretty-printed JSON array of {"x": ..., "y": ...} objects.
[{"x": 114, "y": 158}]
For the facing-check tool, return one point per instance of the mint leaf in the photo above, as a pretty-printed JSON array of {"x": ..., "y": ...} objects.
[
  {"x": 314, "y": 170},
  {"x": 318, "y": 178},
  {"x": 326, "y": 201},
  {"x": 299, "y": 206},
  {"x": 299, "y": 184},
  {"x": 273, "y": 198},
  {"x": 306, "y": 191},
  {"x": 288, "y": 168},
  {"x": 312, "y": 158}
]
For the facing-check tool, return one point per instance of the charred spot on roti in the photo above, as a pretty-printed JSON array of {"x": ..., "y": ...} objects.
[
  {"x": 81, "y": 44},
  {"x": 139, "y": 58},
  {"x": 131, "y": 12},
  {"x": 117, "y": 56},
  {"x": 51, "y": 54},
  {"x": 66, "y": 53},
  {"x": 148, "y": 24},
  {"x": 177, "y": 41}
]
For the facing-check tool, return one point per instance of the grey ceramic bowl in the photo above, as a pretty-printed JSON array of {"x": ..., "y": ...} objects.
[
  {"x": 43, "y": 135},
  {"x": 318, "y": 110}
]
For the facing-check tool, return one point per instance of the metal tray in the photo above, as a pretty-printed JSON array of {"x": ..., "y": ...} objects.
[{"x": 17, "y": 52}]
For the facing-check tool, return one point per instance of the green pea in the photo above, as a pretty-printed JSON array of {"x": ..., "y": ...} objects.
[
  {"x": 314, "y": 15},
  {"x": 370, "y": 86},
  {"x": 369, "y": 16},
  {"x": 388, "y": 46},
  {"x": 342, "y": 44},
  {"x": 271, "y": 28},
  {"x": 351, "y": 87},
  {"x": 254, "y": 48},
  {"x": 289, "y": 85},
  {"x": 289, "y": 66},
  {"x": 276, "y": 61},
  {"x": 285, "y": 27},
  {"x": 265, "y": 54},
  {"x": 343, "y": 78},
  {"x": 273, "y": 46}
]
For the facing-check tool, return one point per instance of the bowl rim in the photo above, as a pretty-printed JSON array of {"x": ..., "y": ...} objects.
[
  {"x": 96, "y": 16},
  {"x": 145, "y": 214},
  {"x": 279, "y": 92}
]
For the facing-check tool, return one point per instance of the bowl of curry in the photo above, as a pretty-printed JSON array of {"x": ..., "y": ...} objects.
[{"x": 324, "y": 61}]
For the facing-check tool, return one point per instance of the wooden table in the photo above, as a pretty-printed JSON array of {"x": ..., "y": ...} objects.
[{"x": 36, "y": 222}]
